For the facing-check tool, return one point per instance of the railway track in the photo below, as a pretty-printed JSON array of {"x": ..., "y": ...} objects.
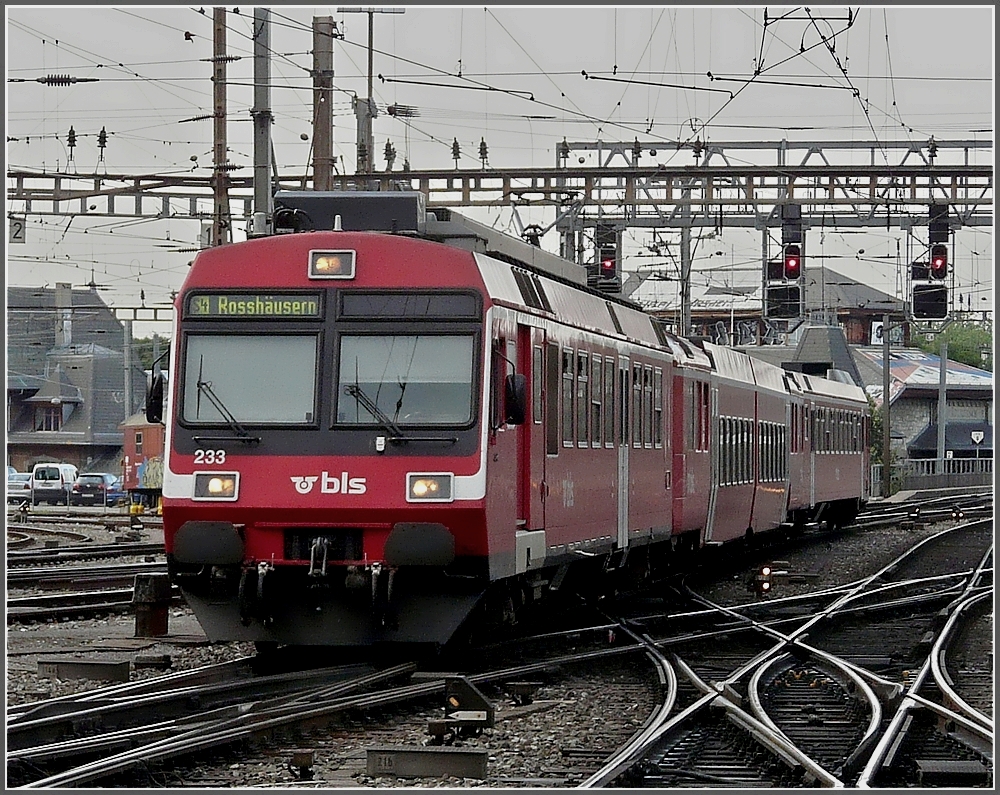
[
  {"x": 802, "y": 712},
  {"x": 114, "y": 575},
  {"x": 785, "y": 706}
]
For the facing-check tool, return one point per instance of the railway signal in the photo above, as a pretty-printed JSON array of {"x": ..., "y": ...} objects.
[
  {"x": 928, "y": 280},
  {"x": 792, "y": 262},
  {"x": 939, "y": 261},
  {"x": 606, "y": 274},
  {"x": 783, "y": 291},
  {"x": 762, "y": 580}
]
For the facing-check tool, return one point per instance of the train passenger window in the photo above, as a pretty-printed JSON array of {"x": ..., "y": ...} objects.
[
  {"x": 725, "y": 450},
  {"x": 744, "y": 431},
  {"x": 647, "y": 406},
  {"x": 552, "y": 399},
  {"x": 637, "y": 405},
  {"x": 609, "y": 402},
  {"x": 761, "y": 452},
  {"x": 582, "y": 398},
  {"x": 700, "y": 415},
  {"x": 596, "y": 395},
  {"x": 696, "y": 415},
  {"x": 783, "y": 460},
  {"x": 411, "y": 379},
  {"x": 738, "y": 450},
  {"x": 567, "y": 397},
  {"x": 536, "y": 384},
  {"x": 658, "y": 408},
  {"x": 772, "y": 451},
  {"x": 623, "y": 402},
  {"x": 747, "y": 450},
  {"x": 225, "y": 371},
  {"x": 723, "y": 455}
]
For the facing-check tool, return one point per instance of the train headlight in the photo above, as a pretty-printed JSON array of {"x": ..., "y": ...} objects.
[
  {"x": 331, "y": 264},
  {"x": 216, "y": 485},
  {"x": 432, "y": 487}
]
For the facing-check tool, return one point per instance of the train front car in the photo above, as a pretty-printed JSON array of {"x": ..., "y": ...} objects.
[{"x": 325, "y": 478}]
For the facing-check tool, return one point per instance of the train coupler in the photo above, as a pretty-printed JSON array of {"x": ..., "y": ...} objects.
[
  {"x": 382, "y": 581},
  {"x": 318, "y": 556},
  {"x": 251, "y": 593}
]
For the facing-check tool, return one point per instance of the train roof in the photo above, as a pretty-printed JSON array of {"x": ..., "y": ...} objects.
[{"x": 522, "y": 275}]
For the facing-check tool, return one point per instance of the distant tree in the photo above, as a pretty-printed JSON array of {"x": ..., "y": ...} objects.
[
  {"x": 142, "y": 351},
  {"x": 968, "y": 343}
]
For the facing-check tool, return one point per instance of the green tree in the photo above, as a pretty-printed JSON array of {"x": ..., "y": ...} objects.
[
  {"x": 968, "y": 343},
  {"x": 142, "y": 351}
]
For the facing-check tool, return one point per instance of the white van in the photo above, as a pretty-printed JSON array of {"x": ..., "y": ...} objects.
[{"x": 52, "y": 483}]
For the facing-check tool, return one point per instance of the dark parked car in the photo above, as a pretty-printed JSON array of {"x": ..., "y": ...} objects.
[
  {"x": 18, "y": 487},
  {"x": 97, "y": 488}
]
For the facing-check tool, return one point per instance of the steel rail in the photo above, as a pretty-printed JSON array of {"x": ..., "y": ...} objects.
[
  {"x": 874, "y": 705},
  {"x": 912, "y": 700},
  {"x": 633, "y": 748},
  {"x": 212, "y": 733},
  {"x": 262, "y": 719},
  {"x": 776, "y": 742},
  {"x": 941, "y": 679}
]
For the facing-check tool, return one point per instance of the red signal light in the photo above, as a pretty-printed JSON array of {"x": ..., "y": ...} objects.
[
  {"x": 793, "y": 262},
  {"x": 939, "y": 261},
  {"x": 608, "y": 265}
]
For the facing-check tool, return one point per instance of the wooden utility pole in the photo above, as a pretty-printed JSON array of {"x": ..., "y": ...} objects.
[
  {"x": 221, "y": 225},
  {"x": 262, "y": 161},
  {"x": 323, "y": 29},
  {"x": 942, "y": 418},
  {"x": 886, "y": 437}
]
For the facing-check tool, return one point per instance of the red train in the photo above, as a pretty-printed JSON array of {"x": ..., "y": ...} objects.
[{"x": 372, "y": 434}]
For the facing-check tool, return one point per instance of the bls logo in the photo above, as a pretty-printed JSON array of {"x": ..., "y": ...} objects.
[{"x": 331, "y": 484}]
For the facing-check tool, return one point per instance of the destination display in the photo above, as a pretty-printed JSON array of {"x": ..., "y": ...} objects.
[{"x": 262, "y": 306}]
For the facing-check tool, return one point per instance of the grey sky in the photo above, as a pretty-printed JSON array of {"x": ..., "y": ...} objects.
[{"x": 919, "y": 71}]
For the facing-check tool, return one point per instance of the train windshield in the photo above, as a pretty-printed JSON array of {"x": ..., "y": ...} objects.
[
  {"x": 253, "y": 378},
  {"x": 405, "y": 379}
]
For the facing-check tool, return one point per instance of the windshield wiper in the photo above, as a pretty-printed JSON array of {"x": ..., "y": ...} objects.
[
  {"x": 372, "y": 408},
  {"x": 242, "y": 434}
]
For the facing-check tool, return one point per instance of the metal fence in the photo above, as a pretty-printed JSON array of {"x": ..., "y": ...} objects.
[{"x": 933, "y": 473}]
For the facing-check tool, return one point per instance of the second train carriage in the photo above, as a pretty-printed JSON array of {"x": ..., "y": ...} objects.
[{"x": 371, "y": 434}]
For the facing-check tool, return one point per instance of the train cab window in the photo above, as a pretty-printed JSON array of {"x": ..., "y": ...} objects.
[
  {"x": 536, "y": 384},
  {"x": 568, "y": 389},
  {"x": 582, "y": 399},
  {"x": 596, "y": 397},
  {"x": 411, "y": 379},
  {"x": 254, "y": 378},
  {"x": 609, "y": 402}
]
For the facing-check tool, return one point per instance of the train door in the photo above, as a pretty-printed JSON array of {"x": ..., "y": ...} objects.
[
  {"x": 531, "y": 435},
  {"x": 624, "y": 436}
]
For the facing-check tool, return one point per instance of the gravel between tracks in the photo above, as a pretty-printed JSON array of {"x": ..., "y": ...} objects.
[{"x": 591, "y": 709}]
